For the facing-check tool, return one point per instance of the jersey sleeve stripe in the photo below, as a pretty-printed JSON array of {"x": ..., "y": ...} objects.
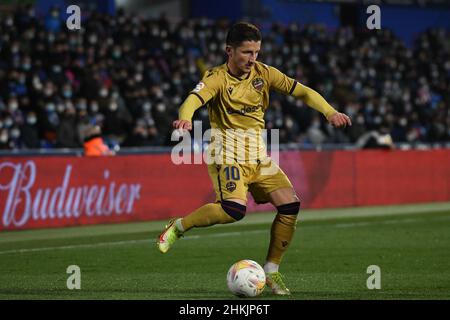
[
  {"x": 198, "y": 96},
  {"x": 293, "y": 87}
]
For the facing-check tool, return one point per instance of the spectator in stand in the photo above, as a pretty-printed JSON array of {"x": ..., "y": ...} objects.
[
  {"x": 94, "y": 144},
  {"x": 376, "y": 139},
  {"x": 136, "y": 68},
  {"x": 30, "y": 133}
]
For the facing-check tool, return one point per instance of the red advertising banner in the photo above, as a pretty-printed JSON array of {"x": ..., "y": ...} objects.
[{"x": 41, "y": 192}]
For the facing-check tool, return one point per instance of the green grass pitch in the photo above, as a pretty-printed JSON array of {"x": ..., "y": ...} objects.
[{"x": 328, "y": 258}]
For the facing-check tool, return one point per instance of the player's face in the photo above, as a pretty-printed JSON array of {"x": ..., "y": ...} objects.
[{"x": 242, "y": 58}]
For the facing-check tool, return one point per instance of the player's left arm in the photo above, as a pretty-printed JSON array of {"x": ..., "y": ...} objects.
[
  {"x": 313, "y": 99},
  {"x": 286, "y": 85}
]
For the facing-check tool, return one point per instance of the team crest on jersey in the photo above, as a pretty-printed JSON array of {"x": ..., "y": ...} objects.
[
  {"x": 231, "y": 186},
  {"x": 258, "y": 83},
  {"x": 199, "y": 87},
  {"x": 230, "y": 90}
]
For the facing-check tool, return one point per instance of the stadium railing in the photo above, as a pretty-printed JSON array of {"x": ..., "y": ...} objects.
[{"x": 168, "y": 149}]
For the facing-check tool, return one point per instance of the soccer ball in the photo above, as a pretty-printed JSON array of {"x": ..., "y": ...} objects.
[{"x": 246, "y": 278}]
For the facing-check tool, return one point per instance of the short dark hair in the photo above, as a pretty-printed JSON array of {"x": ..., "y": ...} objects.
[{"x": 242, "y": 31}]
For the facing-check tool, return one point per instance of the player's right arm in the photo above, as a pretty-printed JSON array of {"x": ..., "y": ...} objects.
[{"x": 203, "y": 92}]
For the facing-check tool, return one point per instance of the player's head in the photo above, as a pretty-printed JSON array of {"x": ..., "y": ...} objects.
[{"x": 242, "y": 46}]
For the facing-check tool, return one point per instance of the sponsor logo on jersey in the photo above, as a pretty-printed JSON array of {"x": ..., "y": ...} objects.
[
  {"x": 258, "y": 84},
  {"x": 199, "y": 87},
  {"x": 231, "y": 186},
  {"x": 243, "y": 110}
]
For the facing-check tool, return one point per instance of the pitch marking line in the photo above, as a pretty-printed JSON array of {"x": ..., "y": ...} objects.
[
  {"x": 116, "y": 243},
  {"x": 216, "y": 235}
]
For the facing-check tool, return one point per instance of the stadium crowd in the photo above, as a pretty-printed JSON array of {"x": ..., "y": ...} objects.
[{"x": 129, "y": 75}]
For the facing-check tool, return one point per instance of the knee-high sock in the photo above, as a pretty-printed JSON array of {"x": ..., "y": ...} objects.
[
  {"x": 207, "y": 215},
  {"x": 282, "y": 232}
]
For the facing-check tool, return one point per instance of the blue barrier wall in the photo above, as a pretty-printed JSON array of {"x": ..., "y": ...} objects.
[
  {"x": 231, "y": 9},
  {"x": 302, "y": 12},
  {"x": 406, "y": 22},
  {"x": 104, "y": 6}
]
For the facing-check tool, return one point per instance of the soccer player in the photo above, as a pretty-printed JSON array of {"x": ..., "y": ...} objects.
[{"x": 237, "y": 95}]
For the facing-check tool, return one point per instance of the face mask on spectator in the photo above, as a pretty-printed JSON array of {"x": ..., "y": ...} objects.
[
  {"x": 103, "y": 92},
  {"x": 113, "y": 106},
  {"x": 279, "y": 122},
  {"x": 81, "y": 106},
  {"x": 56, "y": 68},
  {"x": 31, "y": 120},
  {"x": 13, "y": 106},
  {"x": 213, "y": 46},
  {"x": 94, "y": 107},
  {"x": 37, "y": 83},
  {"x": 67, "y": 94},
  {"x": 60, "y": 108},
  {"x": 15, "y": 133},
  {"x": 117, "y": 54},
  {"x": 289, "y": 123},
  {"x": 4, "y": 137},
  {"x": 50, "y": 107},
  {"x": 377, "y": 120},
  {"x": 147, "y": 106},
  {"x": 115, "y": 95},
  {"x": 360, "y": 120},
  {"x": 155, "y": 31},
  {"x": 93, "y": 39},
  {"x": 144, "y": 133},
  {"x": 176, "y": 100},
  {"x": 403, "y": 122},
  {"x": 161, "y": 107},
  {"x": 315, "y": 124},
  {"x": 22, "y": 80},
  {"x": 48, "y": 92},
  {"x": 8, "y": 122},
  {"x": 1, "y": 124},
  {"x": 9, "y": 22}
]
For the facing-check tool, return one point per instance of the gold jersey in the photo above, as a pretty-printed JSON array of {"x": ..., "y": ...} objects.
[
  {"x": 235, "y": 103},
  {"x": 236, "y": 108}
]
